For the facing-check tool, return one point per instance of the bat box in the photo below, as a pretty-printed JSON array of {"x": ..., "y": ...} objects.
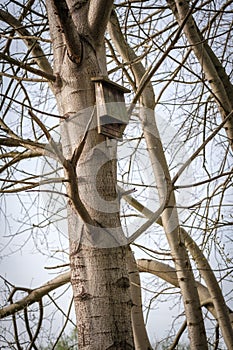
[{"x": 112, "y": 116}]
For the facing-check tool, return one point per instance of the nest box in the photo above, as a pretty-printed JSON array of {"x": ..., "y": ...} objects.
[{"x": 112, "y": 116}]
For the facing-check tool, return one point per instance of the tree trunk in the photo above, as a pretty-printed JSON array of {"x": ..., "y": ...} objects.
[
  {"x": 98, "y": 252},
  {"x": 162, "y": 177}
]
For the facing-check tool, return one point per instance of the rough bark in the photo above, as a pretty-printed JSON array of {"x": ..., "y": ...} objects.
[
  {"x": 99, "y": 275},
  {"x": 157, "y": 268},
  {"x": 162, "y": 176}
]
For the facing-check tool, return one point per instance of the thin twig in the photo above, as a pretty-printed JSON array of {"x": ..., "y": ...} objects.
[
  {"x": 27, "y": 67},
  {"x": 195, "y": 154},
  {"x": 178, "y": 336}
]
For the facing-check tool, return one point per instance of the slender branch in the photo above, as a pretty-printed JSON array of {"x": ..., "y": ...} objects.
[
  {"x": 204, "y": 181},
  {"x": 51, "y": 115},
  {"x": 22, "y": 37},
  {"x": 33, "y": 80},
  {"x": 39, "y": 148},
  {"x": 195, "y": 154},
  {"x": 212, "y": 67},
  {"x": 30, "y": 41},
  {"x": 27, "y": 67},
  {"x": 33, "y": 150},
  {"x": 18, "y": 157},
  {"x": 149, "y": 73},
  {"x": 53, "y": 144},
  {"x": 178, "y": 336},
  {"x": 65, "y": 324},
  {"x": 33, "y": 337},
  {"x": 29, "y": 186},
  {"x": 35, "y": 295},
  {"x": 153, "y": 217}
]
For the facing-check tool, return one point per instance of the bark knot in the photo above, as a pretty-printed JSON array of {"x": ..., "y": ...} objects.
[
  {"x": 123, "y": 345},
  {"x": 58, "y": 83},
  {"x": 83, "y": 295},
  {"x": 123, "y": 282}
]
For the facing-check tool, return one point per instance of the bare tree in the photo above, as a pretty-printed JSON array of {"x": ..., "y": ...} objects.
[{"x": 163, "y": 189}]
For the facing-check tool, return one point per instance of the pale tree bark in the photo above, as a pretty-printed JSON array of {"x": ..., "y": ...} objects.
[
  {"x": 222, "y": 90},
  {"x": 221, "y": 87},
  {"x": 141, "y": 340},
  {"x": 218, "y": 306},
  {"x": 100, "y": 277},
  {"x": 168, "y": 273},
  {"x": 162, "y": 176},
  {"x": 157, "y": 268},
  {"x": 98, "y": 253}
]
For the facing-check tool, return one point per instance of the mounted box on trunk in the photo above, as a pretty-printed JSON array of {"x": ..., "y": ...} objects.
[{"x": 112, "y": 116}]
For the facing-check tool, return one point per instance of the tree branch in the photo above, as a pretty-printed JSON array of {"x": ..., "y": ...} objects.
[
  {"x": 222, "y": 89},
  {"x": 168, "y": 274},
  {"x": 53, "y": 144},
  {"x": 163, "y": 271},
  {"x": 35, "y": 295},
  {"x": 27, "y": 67},
  {"x": 98, "y": 16},
  {"x": 35, "y": 147},
  {"x": 33, "y": 80},
  {"x": 31, "y": 42},
  {"x": 71, "y": 36},
  {"x": 150, "y": 72},
  {"x": 220, "y": 307},
  {"x": 195, "y": 154},
  {"x": 178, "y": 336}
]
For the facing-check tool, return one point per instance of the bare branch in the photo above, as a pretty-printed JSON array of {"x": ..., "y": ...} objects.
[
  {"x": 34, "y": 80},
  {"x": 168, "y": 274},
  {"x": 195, "y": 154},
  {"x": 150, "y": 72},
  {"x": 67, "y": 27},
  {"x": 53, "y": 144},
  {"x": 30, "y": 41},
  {"x": 99, "y": 12},
  {"x": 222, "y": 312},
  {"x": 27, "y": 67},
  {"x": 153, "y": 217},
  {"x": 213, "y": 69},
  {"x": 178, "y": 336},
  {"x": 35, "y": 295}
]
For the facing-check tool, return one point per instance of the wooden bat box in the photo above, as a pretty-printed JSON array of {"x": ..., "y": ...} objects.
[{"x": 112, "y": 116}]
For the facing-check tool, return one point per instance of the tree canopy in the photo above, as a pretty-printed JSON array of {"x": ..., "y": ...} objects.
[{"x": 157, "y": 201}]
